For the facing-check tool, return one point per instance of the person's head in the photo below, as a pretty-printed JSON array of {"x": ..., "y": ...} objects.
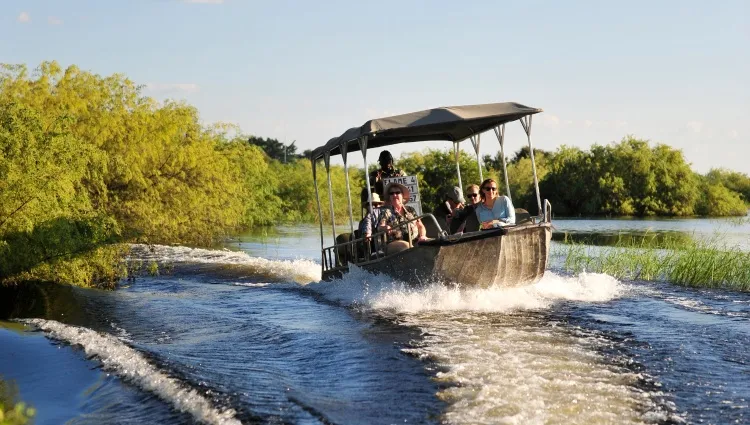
[
  {"x": 376, "y": 201},
  {"x": 385, "y": 160},
  {"x": 489, "y": 189},
  {"x": 397, "y": 194},
  {"x": 454, "y": 196},
  {"x": 472, "y": 194}
]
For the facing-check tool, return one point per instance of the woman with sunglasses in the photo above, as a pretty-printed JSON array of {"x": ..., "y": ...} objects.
[
  {"x": 396, "y": 213},
  {"x": 495, "y": 210}
]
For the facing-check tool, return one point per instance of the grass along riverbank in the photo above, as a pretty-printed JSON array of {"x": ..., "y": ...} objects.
[{"x": 707, "y": 264}]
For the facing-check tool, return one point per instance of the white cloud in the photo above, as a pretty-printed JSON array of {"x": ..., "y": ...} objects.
[
  {"x": 166, "y": 88},
  {"x": 694, "y": 126},
  {"x": 588, "y": 123},
  {"x": 734, "y": 134},
  {"x": 551, "y": 120},
  {"x": 620, "y": 124},
  {"x": 24, "y": 18},
  {"x": 54, "y": 20},
  {"x": 204, "y": 1}
]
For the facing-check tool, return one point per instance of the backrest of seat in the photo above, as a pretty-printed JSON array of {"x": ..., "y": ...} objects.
[{"x": 523, "y": 216}]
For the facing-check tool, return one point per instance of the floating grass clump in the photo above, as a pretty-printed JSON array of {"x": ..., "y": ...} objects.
[{"x": 691, "y": 263}]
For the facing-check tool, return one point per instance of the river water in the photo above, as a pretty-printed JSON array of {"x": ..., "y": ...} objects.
[{"x": 245, "y": 333}]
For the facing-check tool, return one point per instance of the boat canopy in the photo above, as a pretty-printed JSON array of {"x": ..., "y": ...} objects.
[{"x": 451, "y": 123}]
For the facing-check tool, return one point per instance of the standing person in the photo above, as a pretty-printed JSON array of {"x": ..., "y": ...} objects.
[
  {"x": 386, "y": 170},
  {"x": 397, "y": 213},
  {"x": 495, "y": 210}
]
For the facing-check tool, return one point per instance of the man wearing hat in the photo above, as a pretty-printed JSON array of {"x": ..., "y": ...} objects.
[
  {"x": 453, "y": 200},
  {"x": 386, "y": 170},
  {"x": 371, "y": 218},
  {"x": 396, "y": 214}
]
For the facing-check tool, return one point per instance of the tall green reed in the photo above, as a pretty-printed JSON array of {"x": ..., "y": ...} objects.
[{"x": 688, "y": 262}]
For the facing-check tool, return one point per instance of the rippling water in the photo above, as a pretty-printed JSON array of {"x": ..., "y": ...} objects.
[{"x": 249, "y": 335}]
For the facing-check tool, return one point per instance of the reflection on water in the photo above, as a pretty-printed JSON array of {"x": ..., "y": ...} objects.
[{"x": 249, "y": 334}]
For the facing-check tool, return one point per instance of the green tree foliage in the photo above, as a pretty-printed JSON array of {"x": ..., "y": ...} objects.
[
  {"x": 86, "y": 161},
  {"x": 436, "y": 171},
  {"x": 732, "y": 180},
  {"x": 625, "y": 178}
]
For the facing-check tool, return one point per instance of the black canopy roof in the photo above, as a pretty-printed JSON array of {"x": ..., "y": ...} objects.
[{"x": 452, "y": 123}]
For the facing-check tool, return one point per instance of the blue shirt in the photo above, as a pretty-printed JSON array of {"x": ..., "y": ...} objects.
[
  {"x": 502, "y": 210},
  {"x": 370, "y": 222}
]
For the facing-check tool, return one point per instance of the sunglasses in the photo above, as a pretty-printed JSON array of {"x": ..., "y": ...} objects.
[
  {"x": 490, "y": 189},
  {"x": 472, "y": 195},
  {"x": 394, "y": 193}
]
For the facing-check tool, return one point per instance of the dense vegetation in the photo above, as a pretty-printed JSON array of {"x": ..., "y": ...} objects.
[{"x": 89, "y": 164}]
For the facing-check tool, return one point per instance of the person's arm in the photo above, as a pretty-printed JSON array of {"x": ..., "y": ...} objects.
[
  {"x": 511, "y": 218},
  {"x": 421, "y": 230}
]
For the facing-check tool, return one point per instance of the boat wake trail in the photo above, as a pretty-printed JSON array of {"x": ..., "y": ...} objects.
[
  {"x": 116, "y": 357},
  {"x": 230, "y": 263},
  {"x": 504, "y": 355},
  {"x": 380, "y": 292}
]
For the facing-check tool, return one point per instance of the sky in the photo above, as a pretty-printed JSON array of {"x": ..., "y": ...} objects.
[{"x": 673, "y": 72}]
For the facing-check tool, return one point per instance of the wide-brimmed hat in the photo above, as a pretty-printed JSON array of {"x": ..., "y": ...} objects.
[
  {"x": 404, "y": 191},
  {"x": 365, "y": 199}
]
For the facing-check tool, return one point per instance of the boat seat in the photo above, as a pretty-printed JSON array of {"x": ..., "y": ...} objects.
[
  {"x": 343, "y": 254},
  {"x": 523, "y": 216},
  {"x": 431, "y": 229}
]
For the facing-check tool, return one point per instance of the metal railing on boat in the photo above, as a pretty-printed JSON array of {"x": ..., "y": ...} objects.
[{"x": 363, "y": 250}]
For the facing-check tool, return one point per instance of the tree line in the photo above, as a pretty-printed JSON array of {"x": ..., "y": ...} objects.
[{"x": 89, "y": 164}]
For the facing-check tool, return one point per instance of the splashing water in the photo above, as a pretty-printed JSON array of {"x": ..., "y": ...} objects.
[
  {"x": 500, "y": 359},
  {"x": 300, "y": 271},
  {"x": 117, "y": 357}
]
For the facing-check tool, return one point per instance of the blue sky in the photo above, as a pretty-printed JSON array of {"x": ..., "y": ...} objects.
[{"x": 675, "y": 72}]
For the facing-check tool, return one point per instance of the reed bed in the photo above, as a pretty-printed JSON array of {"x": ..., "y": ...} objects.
[{"x": 707, "y": 264}]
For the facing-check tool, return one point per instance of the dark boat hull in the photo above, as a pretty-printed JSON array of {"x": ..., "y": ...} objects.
[{"x": 511, "y": 256}]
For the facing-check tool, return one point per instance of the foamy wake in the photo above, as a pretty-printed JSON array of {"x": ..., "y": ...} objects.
[
  {"x": 301, "y": 271},
  {"x": 359, "y": 287},
  {"x": 510, "y": 368},
  {"x": 130, "y": 365}
]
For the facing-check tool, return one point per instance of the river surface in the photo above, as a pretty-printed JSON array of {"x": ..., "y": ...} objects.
[{"x": 245, "y": 333}]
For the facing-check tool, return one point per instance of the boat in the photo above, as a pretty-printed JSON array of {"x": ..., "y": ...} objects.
[{"x": 508, "y": 256}]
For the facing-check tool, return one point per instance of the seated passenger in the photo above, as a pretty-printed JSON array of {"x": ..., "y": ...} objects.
[
  {"x": 453, "y": 200},
  {"x": 394, "y": 216},
  {"x": 495, "y": 210},
  {"x": 372, "y": 218},
  {"x": 465, "y": 219},
  {"x": 472, "y": 194}
]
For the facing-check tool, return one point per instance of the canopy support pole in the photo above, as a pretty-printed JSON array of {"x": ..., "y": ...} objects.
[
  {"x": 363, "y": 147},
  {"x": 458, "y": 167},
  {"x": 327, "y": 160},
  {"x": 526, "y": 123},
  {"x": 475, "y": 144},
  {"x": 500, "y": 133},
  {"x": 348, "y": 189},
  {"x": 317, "y": 199}
]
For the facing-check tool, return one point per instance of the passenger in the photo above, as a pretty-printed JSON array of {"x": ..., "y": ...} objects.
[
  {"x": 386, "y": 170},
  {"x": 453, "y": 200},
  {"x": 459, "y": 220},
  {"x": 495, "y": 210},
  {"x": 372, "y": 218},
  {"x": 396, "y": 213},
  {"x": 473, "y": 195}
]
